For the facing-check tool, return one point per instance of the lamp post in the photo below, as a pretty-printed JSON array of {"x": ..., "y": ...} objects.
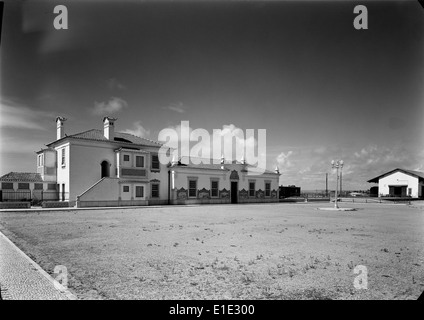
[{"x": 337, "y": 164}]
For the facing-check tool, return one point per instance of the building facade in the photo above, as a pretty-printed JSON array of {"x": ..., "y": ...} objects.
[
  {"x": 18, "y": 186},
  {"x": 400, "y": 183},
  {"x": 109, "y": 168}
]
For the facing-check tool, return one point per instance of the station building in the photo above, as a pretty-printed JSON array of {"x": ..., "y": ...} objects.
[{"x": 102, "y": 167}]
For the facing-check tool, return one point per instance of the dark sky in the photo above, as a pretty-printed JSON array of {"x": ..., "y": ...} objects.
[{"x": 322, "y": 89}]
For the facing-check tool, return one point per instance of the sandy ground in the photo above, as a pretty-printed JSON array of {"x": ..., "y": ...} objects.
[{"x": 267, "y": 251}]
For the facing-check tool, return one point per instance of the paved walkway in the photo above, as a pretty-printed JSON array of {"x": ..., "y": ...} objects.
[{"x": 23, "y": 279}]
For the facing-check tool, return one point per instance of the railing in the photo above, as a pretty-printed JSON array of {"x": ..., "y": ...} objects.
[
  {"x": 15, "y": 195},
  {"x": 35, "y": 196},
  {"x": 314, "y": 195}
]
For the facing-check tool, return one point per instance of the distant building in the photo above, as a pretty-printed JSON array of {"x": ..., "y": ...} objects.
[
  {"x": 400, "y": 183},
  {"x": 289, "y": 191},
  {"x": 26, "y": 185},
  {"x": 108, "y": 168}
]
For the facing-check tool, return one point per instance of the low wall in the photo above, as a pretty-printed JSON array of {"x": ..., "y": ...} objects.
[
  {"x": 304, "y": 200},
  {"x": 112, "y": 203},
  {"x": 223, "y": 201},
  {"x": 258, "y": 200},
  {"x": 202, "y": 201},
  {"x": 15, "y": 205},
  {"x": 55, "y": 204},
  {"x": 157, "y": 202}
]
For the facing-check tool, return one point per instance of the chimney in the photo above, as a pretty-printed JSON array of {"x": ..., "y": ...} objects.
[
  {"x": 109, "y": 128},
  {"x": 60, "y": 130}
]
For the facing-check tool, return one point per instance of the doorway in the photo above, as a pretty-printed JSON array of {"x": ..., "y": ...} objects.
[
  {"x": 234, "y": 191},
  {"x": 105, "y": 168},
  {"x": 397, "y": 191}
]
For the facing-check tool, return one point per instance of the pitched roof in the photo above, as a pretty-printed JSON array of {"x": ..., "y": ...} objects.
[
  {"x": 22, "y": 176},
  {"x": 417, "y": 174},
  {"x": 120, "y": 137}
]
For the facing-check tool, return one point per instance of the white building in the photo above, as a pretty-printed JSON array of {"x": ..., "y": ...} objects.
[
  {"x": 400, "y": 183},
  {"x": 108, "y": 168}
]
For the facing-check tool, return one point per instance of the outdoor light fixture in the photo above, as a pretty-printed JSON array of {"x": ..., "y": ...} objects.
[{"x": 336, "y": 164}]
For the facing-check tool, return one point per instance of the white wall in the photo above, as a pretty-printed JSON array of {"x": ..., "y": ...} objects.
[
  {"x": 84, "y": 169},
  {"x": 63, "y": 172},
  {"x": 205, "y": 176},
  {"x": 398, "y": 179},
  {"x": 162, "y": 175},
  {"x": 131, "y": 194},
  {"x": 85, "y": 166},
  {"x": 106, "y": 189}
]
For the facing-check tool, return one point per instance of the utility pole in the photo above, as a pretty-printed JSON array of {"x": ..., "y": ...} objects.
[
  {"x": 336, "y": 165},
  {"x": 341, "y": 195},
  {"x": 326, "y": 184}
]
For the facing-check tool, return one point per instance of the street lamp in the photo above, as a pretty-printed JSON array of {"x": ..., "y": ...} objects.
[{"x": 336, "y": 164}]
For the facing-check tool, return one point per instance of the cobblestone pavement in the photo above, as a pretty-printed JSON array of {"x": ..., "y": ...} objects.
[{"x": 20, "y": 279}]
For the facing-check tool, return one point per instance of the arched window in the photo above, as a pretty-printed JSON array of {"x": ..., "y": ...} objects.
[{"x": 105, "y": 168}]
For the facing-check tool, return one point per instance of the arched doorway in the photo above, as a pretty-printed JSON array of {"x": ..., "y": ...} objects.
[{"x": 105, "y": 168}]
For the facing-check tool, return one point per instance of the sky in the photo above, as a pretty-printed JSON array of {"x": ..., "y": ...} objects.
[{"x": 322, "y": 89}]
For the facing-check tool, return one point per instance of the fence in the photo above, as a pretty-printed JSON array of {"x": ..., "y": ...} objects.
[{"x": 35, "y": 196}]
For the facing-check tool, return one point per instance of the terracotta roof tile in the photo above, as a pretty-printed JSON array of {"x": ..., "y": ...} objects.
[
  {"x": 22, "y": 176},
  {"x": 120, "y": 137}
]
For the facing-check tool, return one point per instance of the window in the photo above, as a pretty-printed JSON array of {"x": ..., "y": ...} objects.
[
  {"x": 251, "y": 189},
  {"x": 139, "y": 191},
  {"x": 139, "y": 161},
  {"x": 155, "y": 162},
  {"x": 7, "y": 185},
  {"x": 126, "y": 189},
  {"x": 267, "y": 189},
  {"x": 192, "y": 188},
  {"x": 214, "y": 188},
  {"x": 155, "y": 190},
  {"x": 38, "y": 186},
  {"x": 23, "y": 186},
  {"x": 41, "y": 160},
  {"x": 126, "y": 157},
  {"x": 409, "y": 191},
  {"x": 63, "y": 157},
  {"x": 51, "y": 186}
]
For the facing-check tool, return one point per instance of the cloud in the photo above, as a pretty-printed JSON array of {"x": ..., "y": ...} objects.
[
  {"x": 138, "y": 130},
  {"x": 178, "y": 107},
  {"x": 284, "y": 161},
  {"x": 244, "y": 145},
  {"x": 307, "y": 168},
  {"x": 17, "y": 115},
  {"x": 232, "y": 148},
  {"x": 114, "y": 105},
  {"x": 320, "y": 150},
  {"x": 114, "y": 84}
]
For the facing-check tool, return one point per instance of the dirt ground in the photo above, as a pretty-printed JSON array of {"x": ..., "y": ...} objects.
[{"x": 258, "y": 251}]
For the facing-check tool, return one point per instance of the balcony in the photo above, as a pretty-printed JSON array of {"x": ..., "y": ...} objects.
[{"x": 133, "y": 172}]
